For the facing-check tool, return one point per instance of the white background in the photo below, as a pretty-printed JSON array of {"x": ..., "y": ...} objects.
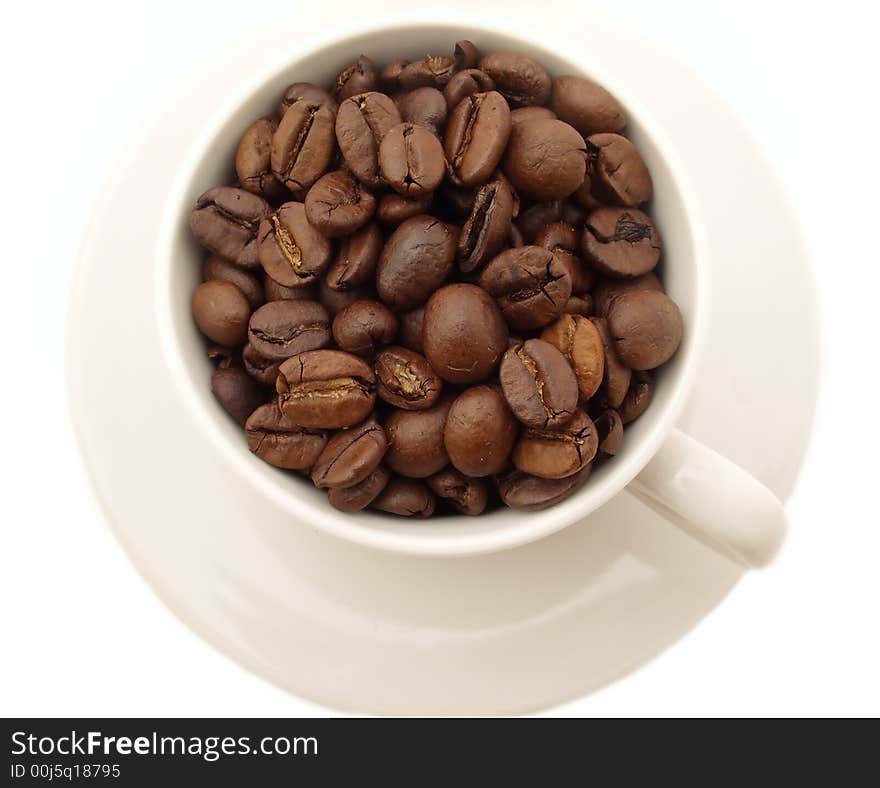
[{"x": 82, "y": 634}]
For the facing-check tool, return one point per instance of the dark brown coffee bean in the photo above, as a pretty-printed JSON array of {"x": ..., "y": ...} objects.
[
  {"x": 480, "y": 431},
  {"x": 555, "y": 454},
  {"x": 466, "y": 83},
  {"x": 238, "y": 393},
  {"x": 646, "y": 328},
  {"x": 225, "y": 221},
  {"x": 531, "y": 221},
  {"x": 276, "y": 439},
  {"x": 409, "y": 332},
  {"x": 356, "y": 256},
  {"x": 415, "y": 261},
  {"x": 538, "y": 384},
  {"x": 488, "y": 226},
  {"x": 617, "y": 172},
  {"x": 458, "y": 201},
  {"x": 252, "y": 160},
  {"x": 415, "y": 440},
  {"x": 465, "y": 495},
  {"x": 215, "y": 267},
  {"x": 606, "y": 290},
  {"x": 361, "y": 124},
  {"x": 223, "y": 357},
  {"x": 580, "y": 343},
  {"x": 338, "y": 204},
  {"x": 424, "y": 107},
  {"x": 411, "y": 160},
  {"x": 464, "y": 334},
  {"x": 278, "y": 292},
  {"x": 405, "y": 497},
  {"x": 586, "y": 106},
  {"x": 563, "y": 239},
  {"x": 432, "y": 71},
  {"x": 579, "y": 305},
  {"x": 221, "y": 312},
  {"x": 303, "y": 145},
  {"x": 529, "y": 284},
  {"x": 291, "y": 250},
  {"x": 281, "y": 329},
  {"x": 617, "y": 377},
  {"x": 350, "y": 455},
  {"x": 334, "y": 301},
  {"x": 360, "y": 495},
  {"x": 465, "y": 55},
  {"x": 263, "y": 370},
  {"x": 405, "y": 379},
  {"x": 395, "y": 209},
  {"x": 306, "y": 91},
  {"x": 584, "y": 195},
  {"x": 531, "y": 113},
  {"x": 389, "y": 76},
  {"x": 359, "y": 77},
  {"x": 327, "y": 389},
  {"x": 638, "y": 398},
  {"x": 522, "y": 80},
  {"x": 522, "y": 491},
  {"x": 364, "y": 326},
  {"x": 545, "y": 159},
  {"x": 476, "y": 136},
  {"x": 573, "y": 212},
  {"x": 609, "y": 428},
  {"x": 621, "y": 242},
  {"x": 515, "y": 237}
]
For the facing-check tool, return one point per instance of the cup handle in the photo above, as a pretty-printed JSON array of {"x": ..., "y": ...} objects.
[{"x": 713, "y": 500}]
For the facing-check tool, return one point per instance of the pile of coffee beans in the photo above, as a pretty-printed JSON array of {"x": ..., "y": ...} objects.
[{"x": 433, "y": 285}]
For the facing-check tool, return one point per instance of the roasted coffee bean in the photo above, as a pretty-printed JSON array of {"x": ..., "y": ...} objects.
[
  {"x": 395, "y": 209},
  {"x": 221, "y": 312},
  {"x": 545, "y": 159},
  {"x": 538, "y": 384},
  {"x": 252, "y": 160},
  {"x": 334, "y": 301},
  {"x": 531, "y": 221},
  {"x": 555, "y": 454},
  {"x": 362, "y": 327},
  {"x": 476, "y": 136},
  {"x": 638, "y": 398},
  {"x": 609, "y": 428},
  {"x": 646, "y": 328},
  {"x": 361, "y": 76},
  {"x": 411, "y": 160},
  {"x": 606, "y": 290},
  {"x": 326, "y": 389},
  {"x": 223, "y": 357},
  {"x": 424, "y": 107},
  {"x": 573, "y": 212},
  {"x": 405, "y": 497},
  {"x": 361, "y": 124},
  {"x": 617, "y": 172},
  {"x": 306, "y": 91},
  {"x": 237, "y": 392},
  {"x": 360, "y": 495},
  {"x": 350, "y": 455},
  {"x": 480, "y": 431},
  {"x": 465, "y": 55},
  {"x": 389, "y": 76},
  {"x": 584, "y": 195},
  {"x": 531, "y": 113},
  {"x": 303, "y": 145},
  {"x": 515, "y": 237},
  {"x": 488, "y": 226},
  {"x": 281, "y": 329},
  {"x": 409, "y": 332},
  {"x": 464, "y": 333},
  {"x": 263, "y": 370},
  {"x": 579, "y": 305},
  {"x": 563, "y": 239},
  {"x": 225, "y": 221},
  {"x": 523, "y": 491},
  {"x": 415, "y": 440},
  {"x": 465, "y": 495},
  {"x": 278, "y": 292},
  {"x": 415, "y": 261},
  {"x": 278, "y": 440},
  {"x": 458, "y": 201},
  {"x": 617, "y": 376},
  {"x": 432, "y": 71},
  {"x": 580, "y": 343},
  {"x": 522, "y": 80},
  {"x": 587, "y": 106},
  {"x": 356, "y": 256},
  {"x": 291, "y": 250},
  {"x": 530, "y": 285},
  {"x": 405, "y": 379},
  {"x": 338, "y": 204},
  {"x": 215, "y": 267},
  {"x": 621, "y": 242},
  {"x": 466, "y": 83}
]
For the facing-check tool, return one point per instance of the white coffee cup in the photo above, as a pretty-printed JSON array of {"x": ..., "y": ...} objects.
[{"x": 691, "y": 485}]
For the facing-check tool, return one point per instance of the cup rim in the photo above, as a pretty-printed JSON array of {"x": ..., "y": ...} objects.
[{"x": 401, "y": 535}]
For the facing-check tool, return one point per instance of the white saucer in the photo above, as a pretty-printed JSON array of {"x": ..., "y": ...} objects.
[{"x": 505, "y": 633}]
